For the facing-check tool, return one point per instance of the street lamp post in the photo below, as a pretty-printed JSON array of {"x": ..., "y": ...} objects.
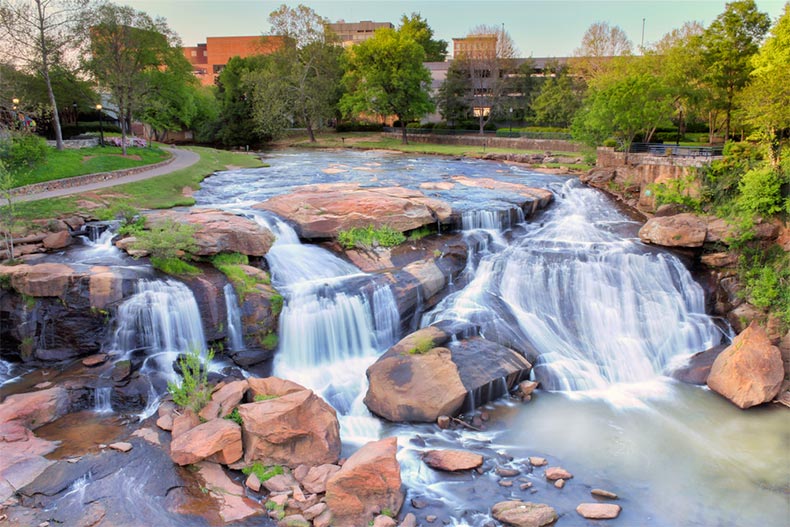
[
  {"x": 101, "y": 129},
  {"x": 76, "y": 117},
  {"x": 15, "y": 100},
  {"x": 511, "y": 122}
]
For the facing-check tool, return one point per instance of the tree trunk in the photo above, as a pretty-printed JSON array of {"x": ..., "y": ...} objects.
[
  {"x": 122, "y": 122},
  {"x": 45, "y": 73},
  {"x": 310, "y": 133},
  {"x": 404, "y": 139}
]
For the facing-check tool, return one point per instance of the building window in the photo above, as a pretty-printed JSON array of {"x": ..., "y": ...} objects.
[
  {"x": 218, "y": 68},
  {"x": 193, "y": 53}
]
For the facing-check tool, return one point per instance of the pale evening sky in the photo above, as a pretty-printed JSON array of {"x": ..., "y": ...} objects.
[{"x": 539, "y": 27}]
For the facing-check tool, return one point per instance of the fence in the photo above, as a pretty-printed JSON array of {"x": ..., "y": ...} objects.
[
  {"x": 561, "y": 136},
  {"x": 670, "y": 150}
]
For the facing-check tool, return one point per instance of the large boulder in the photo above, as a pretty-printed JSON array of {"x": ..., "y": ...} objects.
[
  {"x": 322, "y": 211},
  {"x": 368, "y": 483},
  {"x": 534, "y": 198},
  {"x": 220, "y": 231},
  {"x": 290, "y": 428},
  {"x": 680, "y": 230},
  {"x": 35, "y": 409},
  {"x": 418, "y": 380},
  {"x": 452, "y": 460},
  {"x": 750, "y": 371},
  {"x": 524, "y": 514},
  {"x": 21, "y": 457},
  {"x": 220, "y": 438},
  {"x": 415, "y": 380},
  {"x": 41, "y": 280},
  {"x": 232, "y": 504}
]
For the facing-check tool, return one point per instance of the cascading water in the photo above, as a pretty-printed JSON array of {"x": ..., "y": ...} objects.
[
  {"x": 599, "y": 308},
  {"x": 235, "y": 337},
  {"x": 101, "y": 400},
  {"x": 162, "y": 319}
]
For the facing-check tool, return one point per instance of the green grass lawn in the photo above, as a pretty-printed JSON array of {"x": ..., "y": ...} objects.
[
  {"x": 77, "y": 162},
  {"x": 156, "y": 193}
]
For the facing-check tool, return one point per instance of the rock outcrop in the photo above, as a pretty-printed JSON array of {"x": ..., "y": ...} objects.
[
  {"x": 524, "y": 514},
  {"x": 452, "y": 460},
  {"x": 680, "y": 230},
  {"x": 750, "y": 371},
  {"x": 536, "y": 198},
  {"x": 218, "y": 439},
  {"x": 368, "y": 483},
  {"x": 290, "y": 428},
  {"x": 322, "y": 211}
]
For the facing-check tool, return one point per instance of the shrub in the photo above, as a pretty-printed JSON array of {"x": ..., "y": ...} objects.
[
  {"x": 22, "y": 150},
  {"x": 174, "y": 266},
  {"x": 270, "y": 341},
  {"x": 194, "y": 391},
  {"x": 761, "y": 191},
  {"x": 677, "y": 191},
  {"x": 366, "y": 238},
  {"x": 262, "y": 472},
  {"x": 167, "y": 240},
  {"x": 235, "y": 416},
  {"x": 765, "y": 275},
  {"x": 610, "y": 143},
  {"x": 354, "y": 126},
  {"x": 230, "y": 259},
  {"x": 419, "y": 234}
]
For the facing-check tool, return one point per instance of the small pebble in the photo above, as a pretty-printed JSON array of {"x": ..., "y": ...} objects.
[
  {"x": 559, "y": 483},
  {"x": 430, "y": 518},
  {"x": 507, "y": 472},
  {"x": 505, "y": 483},
  {"x": 417, "y": 503},
  {"x": 538, "y": 461},
  {"x": 603, "y": 494},
  {"x": 121, "y": 446},
  {"x": 525, "y": 486}
]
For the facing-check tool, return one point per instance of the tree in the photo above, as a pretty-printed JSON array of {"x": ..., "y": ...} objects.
[
  {"x": 452, "y": 96},
  {"x": 728, "y": 46},
  {"x": 488, "y": 63},
  {"x": 385, "y": 76},
  {"x": 168, "y": 103},
  {"x": 599, "y": 44},
  {"x": 623, "y": 107},
  {"x": 128, "y": 47},
  {"x": 418, "y": 28},
  {"x": 766, "y": 100},
  {"x": 301, "y": 81},
  {"x": 236, "y": 126},
  {"x": 559, "y": 99},
  {"x": 38, "y": 34}
]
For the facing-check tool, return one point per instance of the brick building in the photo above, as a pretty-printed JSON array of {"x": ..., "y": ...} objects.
[
  {"x": 350, "y": 33},
  {"x": 210, "y": 58}
]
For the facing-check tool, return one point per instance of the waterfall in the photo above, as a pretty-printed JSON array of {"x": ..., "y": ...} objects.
[
  {"x": 599, "y": 308},
  {"x": 496, "y": 220},
  {"x": 235, "y": 337},
  {"x": 102, "y": 403},
  {"x": 161, "y": 318}
]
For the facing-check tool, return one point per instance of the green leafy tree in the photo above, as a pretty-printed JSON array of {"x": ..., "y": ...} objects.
[
  {"x": 39, "y": 34},
  {"x": 559, "y": 99},
  {"x": 168, "y": 103},
  {"x": 236, "y": 126},
  {"x": 418, "y": 28},
  {"x": 728, "y": 46},
  {"x": 300, "y": 83},
  {"x": 766, "y": 100},
  {"x": 128, "y": 47},
  {"x": 452, "y": 96},
  {"x": 385, "y": 76},
  {"x": 206, "y": 120}
]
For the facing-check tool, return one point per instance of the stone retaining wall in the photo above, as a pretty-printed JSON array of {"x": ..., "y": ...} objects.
[
  {"x": 542, "y": 145},
  {"x": 87, "y": 179},
  {"x": 77, "y": 143}
]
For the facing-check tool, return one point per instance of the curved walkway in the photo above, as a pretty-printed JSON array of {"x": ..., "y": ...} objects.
[{"x": 182, "y": 159}]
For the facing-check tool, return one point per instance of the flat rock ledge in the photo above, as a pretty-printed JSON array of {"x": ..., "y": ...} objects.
[
  {"x": 452, "y": 460},
  {"x": 524, "y": 514}
]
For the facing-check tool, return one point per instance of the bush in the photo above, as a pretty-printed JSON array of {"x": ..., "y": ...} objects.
[
  {"x": 167, "y": 240},
  {"x": 765, "y": 275},
  {"x": 610, "y": 143},
  {"x": 369, "y": 237},
  {"x": 761, "y": 191},
  {"x": 22, "y": 150},
  {"x": 354, "y": 126},
  {"x": 263, "y": 473},
  {"x": 194, "y": 391},
  {"x": 677, "y": 191}
]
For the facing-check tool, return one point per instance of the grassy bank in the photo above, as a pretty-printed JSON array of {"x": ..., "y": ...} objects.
[
  {"x": 77, "y": 162},
  {"x": 367, "y": 140},
  {"x": 156, "y": 193}
]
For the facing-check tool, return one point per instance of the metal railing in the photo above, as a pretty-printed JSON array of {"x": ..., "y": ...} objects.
[
  {"x": 669, "y": 150},
  {"x": 487, "y": 133}
]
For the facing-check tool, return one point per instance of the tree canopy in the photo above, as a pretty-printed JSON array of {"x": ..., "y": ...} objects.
[{"x": 418, "y": 28}]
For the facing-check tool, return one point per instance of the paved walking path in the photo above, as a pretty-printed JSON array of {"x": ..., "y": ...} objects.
[{"x": 182, "y": 159}]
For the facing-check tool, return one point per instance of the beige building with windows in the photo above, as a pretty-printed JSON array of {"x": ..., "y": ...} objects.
[{"x": 350, "y": 33}]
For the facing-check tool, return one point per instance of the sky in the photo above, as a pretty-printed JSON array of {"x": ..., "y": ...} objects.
[{"x": 540, "y": 28}]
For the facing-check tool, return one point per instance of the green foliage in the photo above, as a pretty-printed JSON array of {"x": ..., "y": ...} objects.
[
  {"x": 194, "y": 390},
  {"x": 263, "y": 473},
  {"x": 167, "y": 240},
  {"x": 235, "y": 127},
  {"x": 22, "y": 150},
  {"x": 370, "y": 236},
  {"x": 270, "y": 341},
  {"x": 419, "y": 234},
  {"x": 418, "y": 28},
  {"x": 558, "y": 101},
  {"x": 230, "y": 259},
  {"x": 265, "y": 397},
  {"x": 421, "y": 345},
  {"x": 235, "y": 416},
  {"x": 761, "y": 191},
  {"x": 174, "y": 266},
  {"x": 356, "y": 126},
  {"x": 276, "y": 301},
  {"x": 678, "y": 191},
  {"x": 243, "y": 283},
  {"x": 765, "y": 275}
]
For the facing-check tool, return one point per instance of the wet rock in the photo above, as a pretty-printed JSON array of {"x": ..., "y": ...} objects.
[
  {"x": 57, "y": 240},
  {"x": 220, "y": 231},
  {"x": 322, "y": 211},
  {"x": 507, "y": 472},
  {"x": 147, "y": 434},
  {"x": 601, "y": 493},
  {"x": 599, "y": 511},
  {"x": 280, "y": 483},
  {"x": 750, "y": 371},
  {"x": 294, "y": 520},
  {"x": 220, "y": 437},
  {"x": 94, "y": 360},
  {"x": 505, "y": 483},
  {"x": 228, "y": 494},
  {"x": 34, "y": 409},
  {"x": 525, "y": 388},
  {"x": 40, "y": 280},
  {"x": 293, "y": 428},
  {"x": 405, "y": 386},
  {"x": 21, "y": 457},
  {"x": 121, "y": 370},
  {"x": 252, "y": 482},
  {"x": 316, "y": 478},
  {"x": 314, "y": 511},
  {"x": 697, "y": 368},
  {"x": 719, "y": 230},
  {"x": 559, "y": 483},
  {"x": 742, "y": 316},
  {"x": 524, "y": 514},
  {"x": 555, "y": 473},
  {"x": 525, "y": 486},
  {"x": 418, "y": 503},
  {"x": 368, "y": 482},
  {"x": 121, "y": 446},
  {"x": 537, "y": 461},
  {"x": 720, "y": 259},
  {"x": 431, "y": 279},
  {"x": 681, "y": 230},
  {"x": 535, "y": 198},
  {"x": 271, "y": 387},
  {"x": 452, "y": 460},
  {"x": 224, "y": 400}
]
